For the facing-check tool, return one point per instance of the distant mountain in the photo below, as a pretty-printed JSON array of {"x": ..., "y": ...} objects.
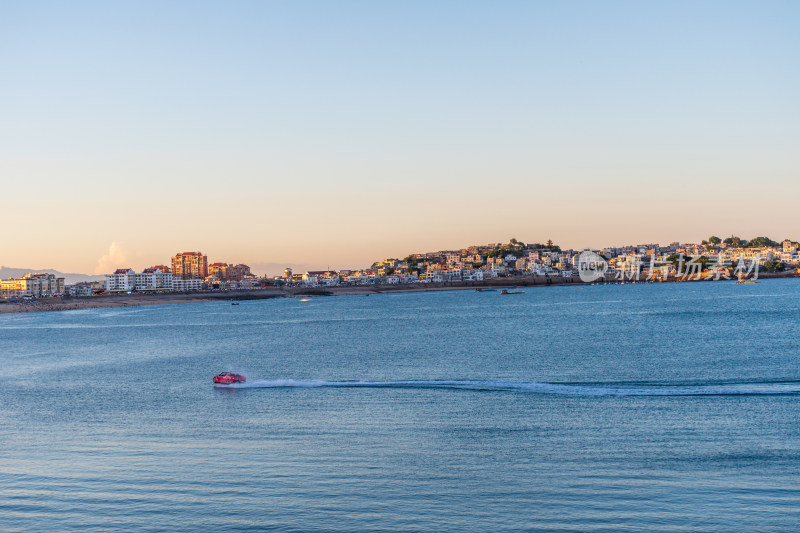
[{"x": 69, "y": 279}]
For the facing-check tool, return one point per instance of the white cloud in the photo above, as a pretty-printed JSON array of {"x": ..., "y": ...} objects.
[{"x": 114, "y": 259}]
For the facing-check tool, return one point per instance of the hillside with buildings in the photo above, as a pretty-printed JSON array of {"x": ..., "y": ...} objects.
[{"x": 715, "y": 258}]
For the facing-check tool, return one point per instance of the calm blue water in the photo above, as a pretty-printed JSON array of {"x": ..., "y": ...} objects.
[{"x": 638, "y": 407}]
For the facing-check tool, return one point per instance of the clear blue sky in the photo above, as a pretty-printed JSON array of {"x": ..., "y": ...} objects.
[{"x": 342, "y": 132}]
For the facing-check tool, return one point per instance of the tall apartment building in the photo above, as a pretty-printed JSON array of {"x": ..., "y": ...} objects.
[
  {"x": 190, "y": 265},
  {"x": 34, "y": 285}
]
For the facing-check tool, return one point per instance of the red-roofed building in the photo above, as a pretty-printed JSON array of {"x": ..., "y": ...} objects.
[
  {"x": 239, "y": 272},
  {"x": 154, "y": 279},
  {"x": 219, "y": 271},
  {"x": 225, "y": 272}
]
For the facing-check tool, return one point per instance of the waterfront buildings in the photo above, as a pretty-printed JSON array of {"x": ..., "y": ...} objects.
[
  {"x": 32, "y": 286},
  {"x": 189, "y": 266}
]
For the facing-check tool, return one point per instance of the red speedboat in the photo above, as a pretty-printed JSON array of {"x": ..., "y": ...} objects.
[{"x": 227, "y": 378}]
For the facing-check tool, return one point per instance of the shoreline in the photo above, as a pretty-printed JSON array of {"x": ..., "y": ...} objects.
[{"x": 100, "y": 301}]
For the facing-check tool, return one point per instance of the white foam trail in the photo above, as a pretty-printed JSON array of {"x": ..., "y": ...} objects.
[{"x": 543, "y": 387}]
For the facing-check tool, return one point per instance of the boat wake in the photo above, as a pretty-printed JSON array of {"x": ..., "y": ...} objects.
[{"x": 543, "y": 387}]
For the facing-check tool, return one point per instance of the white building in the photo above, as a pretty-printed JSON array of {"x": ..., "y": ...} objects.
[
  {"x": 145, "y": 281},
  {"x": 154, "y": 279},
  {"x": 123, "y": 279}
]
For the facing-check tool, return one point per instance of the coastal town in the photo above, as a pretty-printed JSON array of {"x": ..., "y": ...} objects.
[{"x": 511, "y": 262}]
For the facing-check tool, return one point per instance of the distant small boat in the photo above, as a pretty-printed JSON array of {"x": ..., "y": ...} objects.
[
  {"x": 511, "y": 291},
  {"x": 234, "y": 303},
  {"x": 305, "y": 299},
  {"x": 485, "y": 289}
]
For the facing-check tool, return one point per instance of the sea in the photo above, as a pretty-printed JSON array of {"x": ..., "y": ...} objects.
[{"x": 635, "y": 407}]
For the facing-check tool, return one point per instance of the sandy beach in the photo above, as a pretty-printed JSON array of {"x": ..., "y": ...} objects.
[{"x": 132, "y": 300}]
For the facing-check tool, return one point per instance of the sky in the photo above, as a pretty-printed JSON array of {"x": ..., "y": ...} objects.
[{"x": 334, "y": 134}]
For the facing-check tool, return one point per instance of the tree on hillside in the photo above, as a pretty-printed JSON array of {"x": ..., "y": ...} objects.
[
  {"x": 683, "y": 262},
  {"x": 774, "y": 266},
  {"x": 760, "y": 242},
  {"x": 714, "y": 240},
  {"x": 734, "y": 241}
]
